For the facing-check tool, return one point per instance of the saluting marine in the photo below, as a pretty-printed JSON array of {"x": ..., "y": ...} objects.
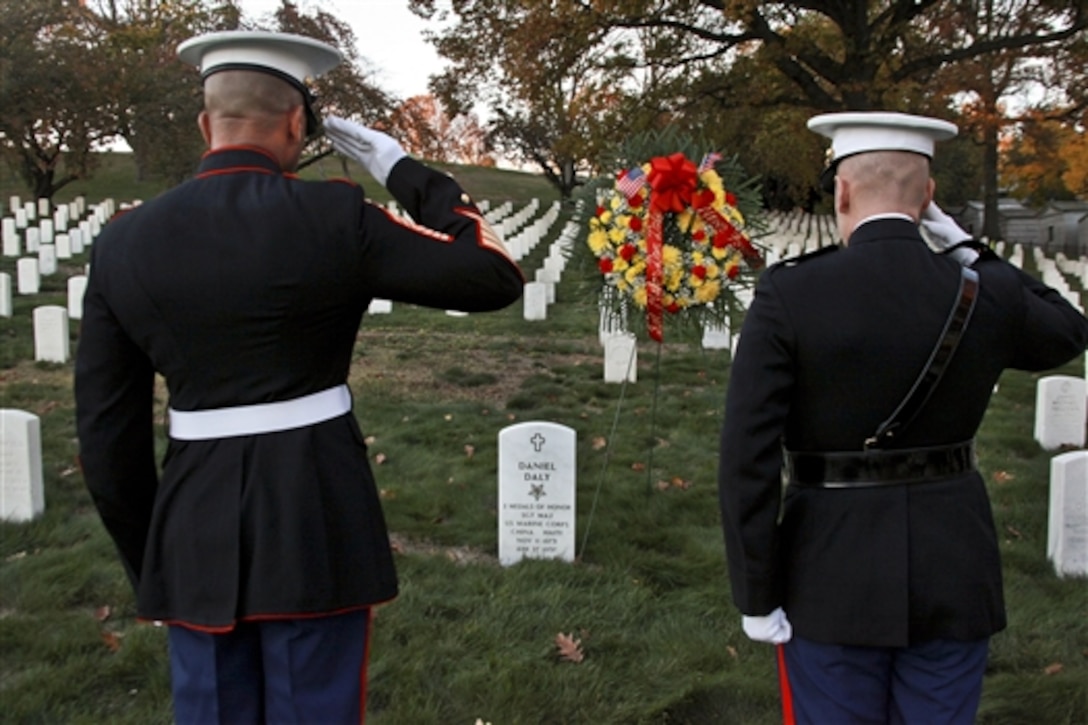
[
  {"x": 863, "y": 375},
  {"x": 263, "y": 545}
]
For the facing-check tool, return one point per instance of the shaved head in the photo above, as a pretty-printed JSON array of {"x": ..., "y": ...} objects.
[
  {"x": 252, "y": 96},
  {"x": 881, "y": 182},
  {"x": 893, "y": 179},
  {"x": 251, "y": 108}
]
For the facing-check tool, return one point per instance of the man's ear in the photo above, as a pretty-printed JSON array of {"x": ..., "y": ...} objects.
[
  {"x": 296, "y": 125},
  {"x": 842, "y": 194},
  {"x": 204, "y": 121}
]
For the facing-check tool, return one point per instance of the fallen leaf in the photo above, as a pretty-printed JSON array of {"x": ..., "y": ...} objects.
[
  {"x": 1003, "y": 476},
  {"x": 102, "y": 613},
  {"x": 1053, "y": 669},
  {"x": 369, "y": 440},
  {"x": 379, "y": 458},
  {"x": 69, "y": 471},
  {"x": 638, "y": 466},
  {"x": 511, "y": 416},
  {"x": 387, "y": 494},
  {"x": 16, "y": 556},
  {"x": 470, "y": 450},
  {"x": 599, "y": 442},
  {"x": 448, "y": 416},
  {"x": 570, "y": 649},
  {"x": 662, "y": 485},
  {"x": 1012, "y": 530},
  {"x": 732, "y": 651},
  {"x": 112, "y": 641},
  {"x": 681, "y": 483}
]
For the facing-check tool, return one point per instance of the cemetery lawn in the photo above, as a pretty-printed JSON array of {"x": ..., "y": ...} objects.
[{"x": 647, "y": 600}]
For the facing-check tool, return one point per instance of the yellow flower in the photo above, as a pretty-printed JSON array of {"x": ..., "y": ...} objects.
[
  {"x": 615, "y": 202},
  {"x": 622, "y": 285},
  {"x": 694, "y": 281},
  {"x": 712, "y": 271},
  {"x": 674, "y": 279},
  {"x": 605, "y": 218},
  {"x": 671, "y": 256},
  {"x": 635, "y": 271},
  {"x": 598, "y": 241},
  {"x": 619, "y": 264},
  {"x": 708, "y": 291},
  {"x": 617, "y": 235},
  {"x": 639, "y": 297},
  {"x": 718, "y": 253},
  {"x": 696, "y": 258}
]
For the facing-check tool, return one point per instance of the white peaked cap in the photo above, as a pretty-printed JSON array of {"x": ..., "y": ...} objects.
[
  {"x": 855, "y": 133},
  {"x": 295, "y": 58}
]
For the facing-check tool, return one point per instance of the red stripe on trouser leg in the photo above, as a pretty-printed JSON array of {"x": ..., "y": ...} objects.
[
  {"x": 366, "y": 661},
  {"x": 784, "y": 686}
]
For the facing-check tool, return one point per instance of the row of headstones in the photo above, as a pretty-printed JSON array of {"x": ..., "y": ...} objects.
[
  {"x": 1055, "y": 276},
  {"x": 798, "y": 232},
  {"x": 1061, "y": 422}
]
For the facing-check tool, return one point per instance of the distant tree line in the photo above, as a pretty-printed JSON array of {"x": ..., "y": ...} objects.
[
  {"x": 77, "y": 74},
  {"x": 565, "y": 81}
]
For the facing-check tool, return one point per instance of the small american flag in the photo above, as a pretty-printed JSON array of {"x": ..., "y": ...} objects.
[
  {"x": 709, "y": 160},
  {"x": 631, "y": 182}
]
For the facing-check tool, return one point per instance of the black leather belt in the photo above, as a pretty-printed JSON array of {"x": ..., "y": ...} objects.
[{"x": 874, "y": 467}]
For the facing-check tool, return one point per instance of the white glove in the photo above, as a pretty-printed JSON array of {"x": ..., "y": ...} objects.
[
  {"x": 773, "y": 627},
  {"x": 943, "y": 232},
  {"x": 376, "y": 151}
]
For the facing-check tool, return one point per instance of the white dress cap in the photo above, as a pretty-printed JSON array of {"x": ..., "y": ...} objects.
[
  {"x": 855, "y": 133},
  {"x": 295, "y": 58}
]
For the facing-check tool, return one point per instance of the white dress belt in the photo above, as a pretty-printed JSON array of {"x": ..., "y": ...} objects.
[{"x": 246, "y": 420}]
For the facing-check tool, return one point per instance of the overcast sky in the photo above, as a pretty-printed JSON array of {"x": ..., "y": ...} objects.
[{"x": 390, "y": 37}]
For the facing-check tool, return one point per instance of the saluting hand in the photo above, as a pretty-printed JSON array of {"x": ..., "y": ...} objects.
[
  {"x": 945, "y": 233},
  {"x": 376, "y": 151}
]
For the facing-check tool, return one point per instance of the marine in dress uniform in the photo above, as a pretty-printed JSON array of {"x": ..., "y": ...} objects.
[
  {"x": 877, "y": 571},
  {"x": 262, "y": 544}
]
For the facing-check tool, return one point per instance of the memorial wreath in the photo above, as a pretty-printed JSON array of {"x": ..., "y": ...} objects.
[{"x": 669, "y": 236}]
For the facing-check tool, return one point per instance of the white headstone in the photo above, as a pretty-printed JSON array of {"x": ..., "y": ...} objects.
[
  {"x": 620, "y": 358},
  {"x": 380, "y": 307},
  {"x": 10, "y": 237},
  {"x": 1067, "y": 526},
  {"x": 47, "y": 259},
  {"x": 14, "y": 202},
  {"x": 63, "y": 246},
  {"x": 1060, "y": 412},
  {"x": 75, "y": 239},
  {"x": 535, "y": 301},
  {"x": 716, "y": 337},
  {"x": 31, "y": 211},
  {"x": 33, "y": 239},
  {"x": 22, "y": 495},
  {"x": 5, "y": 294},
  {"x": 51, "y": 333},
  {"x": 28, "y": 280},
  {"x": 43, "y": 208},
  {"x": 60, "y": 218},
  {"x": 20, "y": 217},
  {"x": 537, "y": 470},
  {"x": 77, "y": 286},
  {"x": 47, "y": 231}
]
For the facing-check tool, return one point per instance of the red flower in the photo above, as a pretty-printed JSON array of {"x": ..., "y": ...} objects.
[
  {"x": 673, "y": 308},
  {"x": 699, "y": 236},
  {"x": 699, "y": 271},
  {"x": 703, "y": 197},
  {"x": 600, "y": 210},
  {"x": 732, "y": 270},
  {"x": 721, "y": 240},
  {"x": 605, "y": 265},
  {"x": 627, "y": 251},
  {"x": 730, "y": 198},
  {"x": 635, "y": 224},
  {"x": 635, "y": 202}
]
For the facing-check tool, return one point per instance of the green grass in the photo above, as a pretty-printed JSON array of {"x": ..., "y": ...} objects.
[{"x": 467, "y": 638}]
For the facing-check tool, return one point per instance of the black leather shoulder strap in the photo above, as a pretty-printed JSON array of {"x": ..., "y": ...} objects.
[{"x": 935, "y": 366}]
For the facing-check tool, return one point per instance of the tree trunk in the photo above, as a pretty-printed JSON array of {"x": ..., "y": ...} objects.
[{"x": 991, "y": 228}]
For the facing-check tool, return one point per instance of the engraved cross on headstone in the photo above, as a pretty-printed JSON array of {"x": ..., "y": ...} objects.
[{"x": 538, "y": 442}]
